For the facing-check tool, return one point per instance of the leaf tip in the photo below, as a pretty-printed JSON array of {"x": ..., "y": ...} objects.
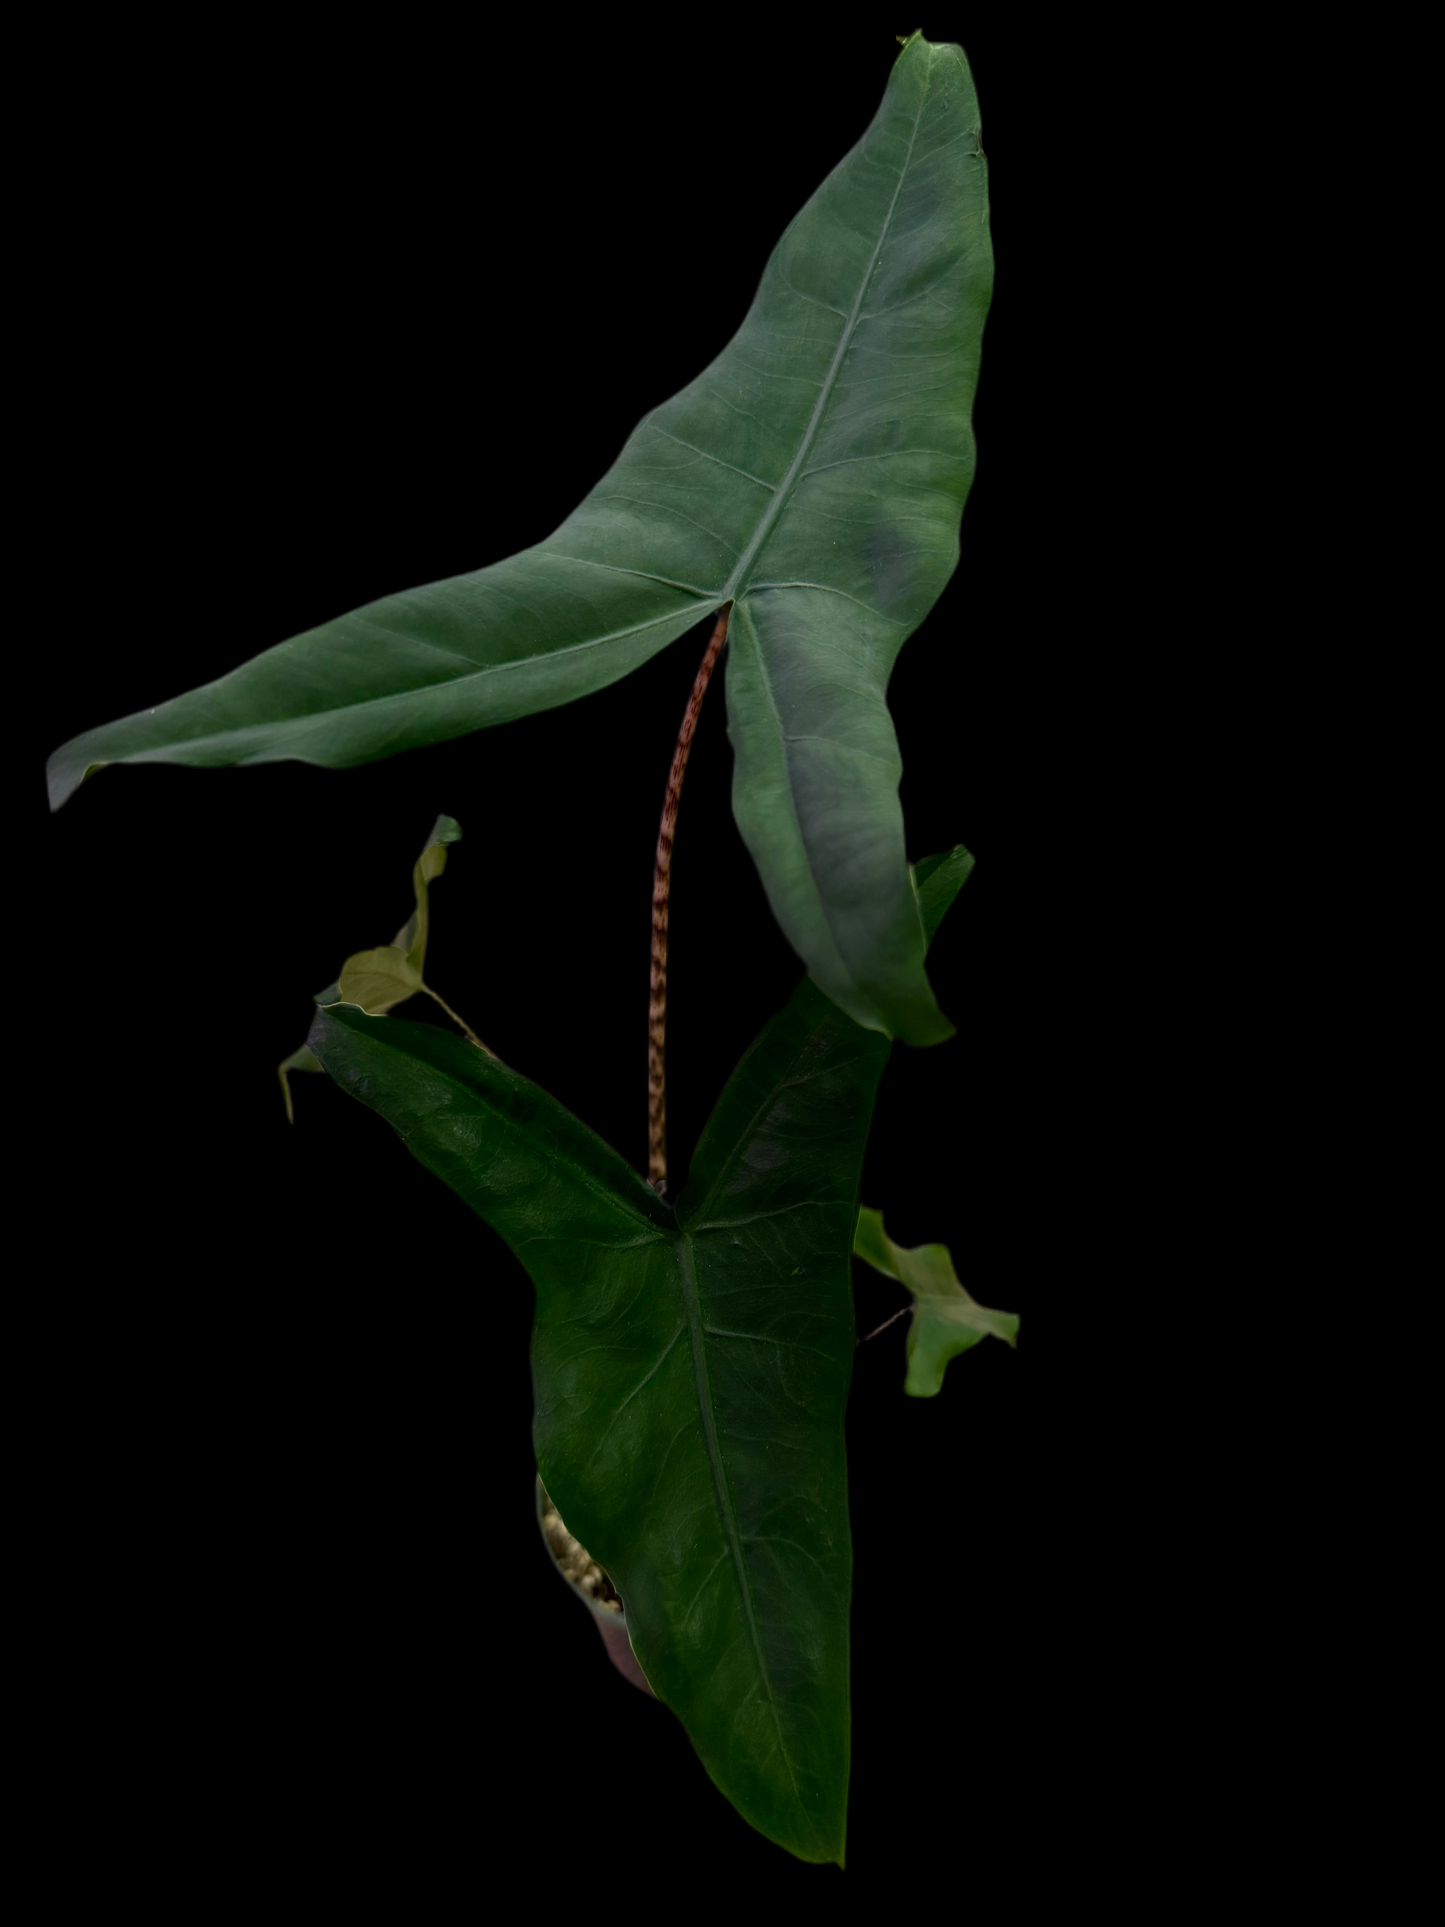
[
  {"x": 928, "y": 1028},
  {"x": 63, "y": 777}
]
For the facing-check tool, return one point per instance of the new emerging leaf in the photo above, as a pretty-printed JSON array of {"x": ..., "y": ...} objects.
[{"x": 378, "y": 980}]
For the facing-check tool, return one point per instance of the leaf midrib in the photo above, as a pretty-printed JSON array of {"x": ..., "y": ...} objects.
[
  {"x": 445, "y": 684},
  {"x": 819, "y": 896},
  {"x": 692, "y": 1306},
  {"x": 785, "y": 487}
]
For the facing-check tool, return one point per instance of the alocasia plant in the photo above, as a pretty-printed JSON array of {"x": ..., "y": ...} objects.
[{"x": 691, "y": 1358}]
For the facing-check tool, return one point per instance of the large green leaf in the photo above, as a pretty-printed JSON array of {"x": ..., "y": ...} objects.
[
  {"x": 690, "y": 1369},
  {"x": 813, "y": 476}
]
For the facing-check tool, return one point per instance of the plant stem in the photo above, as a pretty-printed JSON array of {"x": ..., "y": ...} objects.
[
  {"x": 661, "y": 878},
  {"x": 460, "y": 1022},
  {"x": 886, "y": 1323}
]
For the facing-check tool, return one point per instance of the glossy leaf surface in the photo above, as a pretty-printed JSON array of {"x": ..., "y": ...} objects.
[
  {"x": 813, "y": 475},
  {"x": 945, "y": 1321},
  {"x": 690, "y": 1369}
]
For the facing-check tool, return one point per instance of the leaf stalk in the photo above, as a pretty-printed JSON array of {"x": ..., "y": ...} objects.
[
  {"x": 902, "y": 1312},
  {"x": 661, "y": 882},
  {"x": 460, "y": 1022}
]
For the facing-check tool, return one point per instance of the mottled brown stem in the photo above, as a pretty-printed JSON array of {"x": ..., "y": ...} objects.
[{"x": 661, "y": 877}]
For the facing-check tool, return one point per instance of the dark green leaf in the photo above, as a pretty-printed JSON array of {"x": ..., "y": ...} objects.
[
  {"x": 689, "y": 1388},
  {"x": 945, "y": 1320},
  {"x": 690, "y": 1369},
  {"x": 813, "y": 476}
]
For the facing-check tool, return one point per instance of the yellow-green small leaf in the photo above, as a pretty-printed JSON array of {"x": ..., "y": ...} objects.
[
  {"x": 304, "y": 1059},
  {"x": 946, "y": 1321},
  {"x": 412, "y": 935},
  {"x": 380, "y": 979}
]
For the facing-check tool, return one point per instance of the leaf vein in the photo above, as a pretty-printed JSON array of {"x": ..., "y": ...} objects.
[
  {"x": 731, "y": 1536},
  {"x": 769, "y": 486}
]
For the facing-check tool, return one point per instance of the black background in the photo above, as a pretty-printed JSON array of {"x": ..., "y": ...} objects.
[{"x": 340, "y": 311}]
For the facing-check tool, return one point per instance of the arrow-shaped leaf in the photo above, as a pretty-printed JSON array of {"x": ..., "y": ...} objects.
[
  {"x": 813, "y": 476},
  {"x": 690, "y": 1369},
  {"x": 945, "y": 1321}
]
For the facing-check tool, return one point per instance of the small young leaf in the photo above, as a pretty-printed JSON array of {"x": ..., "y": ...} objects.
[
  {"x": 304, "y": 1059},
  {"x": 380, "y": 979},
  {"x": 946, "y": 1321},
  {"x": 937, "y": 880}
]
